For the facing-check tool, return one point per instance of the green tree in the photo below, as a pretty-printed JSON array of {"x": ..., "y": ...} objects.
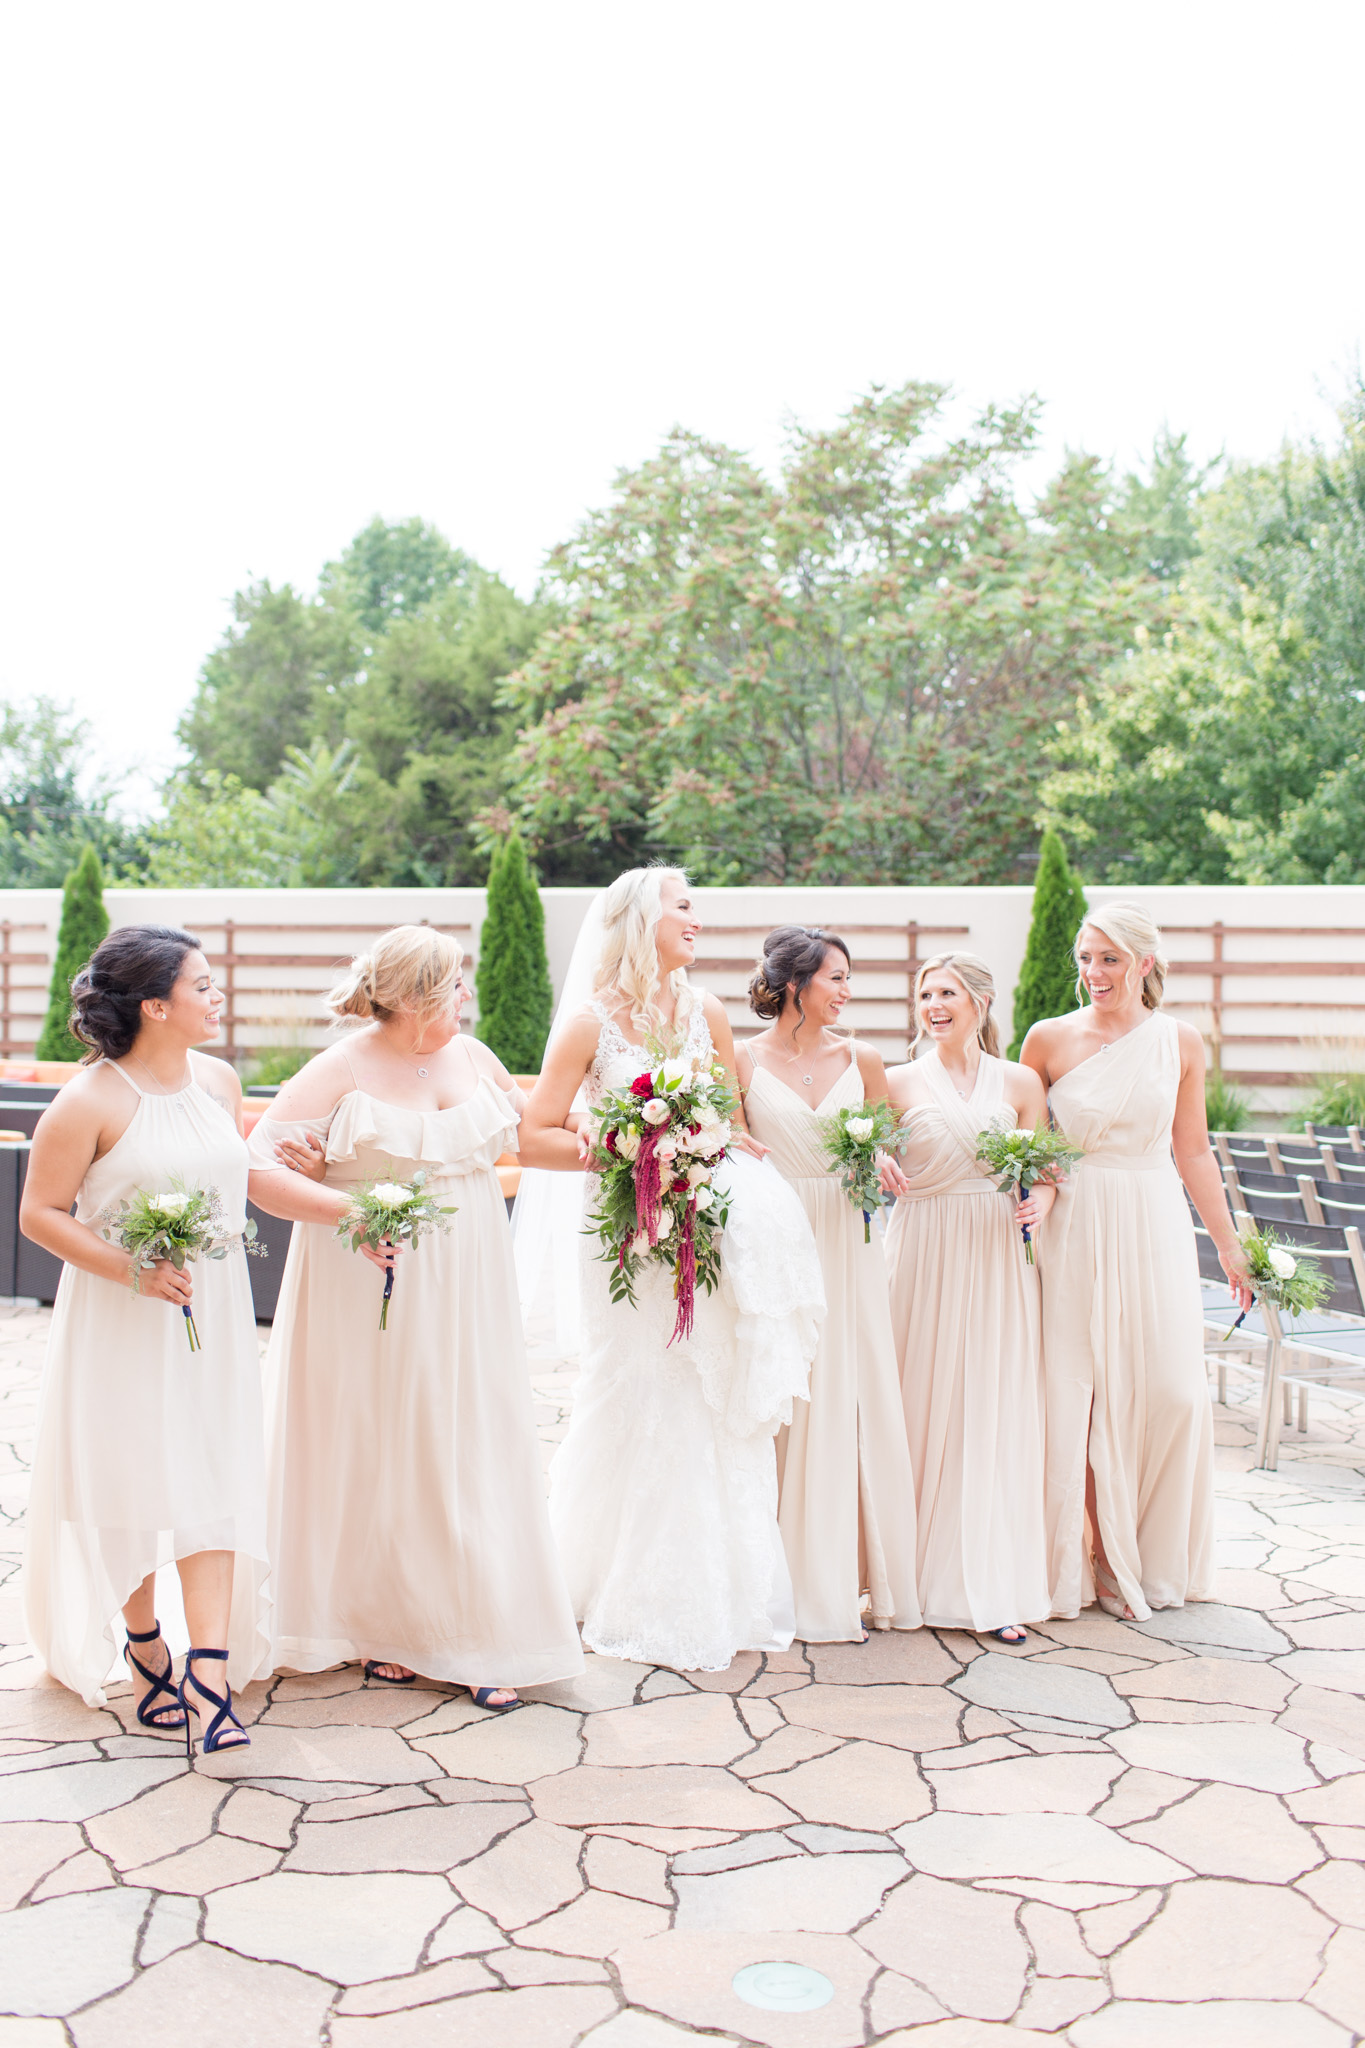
[
  {"x": 434, "y": 738},
  {"x": 515, "y": 996},
  {"x": 846, "y": 675},
  {"x": 1047, "y": 977},
  {"x": 53, "y": 802},
  {"x": 390, "y": 572},
  {"x": 217, "y": 833},
  {"x": 278, "y": 680},
  {"x": 1229, "y": 747},
  {"x": 84, "y": 923}
]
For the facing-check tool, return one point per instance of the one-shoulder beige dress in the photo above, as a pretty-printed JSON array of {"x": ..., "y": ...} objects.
[
  {"x": 966, "y": 1313},
  {"x": 846, "y": 1505},
  {"x": 407, "y": 1508},
  {"x": 1123, "y": 1338}
]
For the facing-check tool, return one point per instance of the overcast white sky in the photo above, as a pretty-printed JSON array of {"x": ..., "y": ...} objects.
[{"x": 271, "y": 269}]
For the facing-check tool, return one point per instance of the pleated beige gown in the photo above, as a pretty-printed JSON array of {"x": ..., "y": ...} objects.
[
  {"x": 406, "y": 1500},
  {"x": 1123, "y": 1338},
  {"x": 965, "y": 1309},
  {"x": 846, "y": 1504}
]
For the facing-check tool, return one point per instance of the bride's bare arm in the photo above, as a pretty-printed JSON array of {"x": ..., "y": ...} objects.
[
  {"x": 723, "y": 1039},
  {"x": 548, "y": 1135}
]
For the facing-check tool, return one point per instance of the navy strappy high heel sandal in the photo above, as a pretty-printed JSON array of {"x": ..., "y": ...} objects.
[
  {"x": 213, "y": 1735},
  {"x": 150, "y": 1715}
]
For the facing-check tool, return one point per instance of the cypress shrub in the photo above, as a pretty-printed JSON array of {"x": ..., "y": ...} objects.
[
  {"x": 515, "y": 996},
  {"x": 84, "y": 923},
  {"x": 1047, "y": 979}
]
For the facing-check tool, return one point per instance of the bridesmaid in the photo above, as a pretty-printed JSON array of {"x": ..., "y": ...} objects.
[
  {"x": 1130, "y": 1429},
  {"x": 146, "y": 1452},
  {"x": 407, "y": 1506},
  {"x": 846, "y": 1503},
  {"x": 964, "y": 1304}
]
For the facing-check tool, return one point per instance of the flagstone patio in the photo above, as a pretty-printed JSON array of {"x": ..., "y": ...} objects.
[{"x": 1115, "y": 1837}]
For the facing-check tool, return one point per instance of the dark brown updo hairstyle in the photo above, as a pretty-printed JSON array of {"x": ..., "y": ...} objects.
[
  {"x": 139, "y": 963},
  {"x": 792, "y": 957}
]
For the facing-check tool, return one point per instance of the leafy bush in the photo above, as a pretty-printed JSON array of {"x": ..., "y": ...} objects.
[
  {"x": 1047, "y": 978},
  {"x": 1226, "y": 1107},
  {"x": 84, "y": 923},
  {"x": 1338, "y": 1101},
  {"x": 275, "y": 1064}
]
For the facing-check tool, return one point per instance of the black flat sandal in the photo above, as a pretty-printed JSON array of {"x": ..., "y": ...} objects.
[
  {"x": 372, "y": 1670},
  {"x": 150, "y": 1715}
]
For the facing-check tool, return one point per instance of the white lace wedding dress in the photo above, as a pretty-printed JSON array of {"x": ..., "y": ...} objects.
[{"x": 663, "y": 1496}]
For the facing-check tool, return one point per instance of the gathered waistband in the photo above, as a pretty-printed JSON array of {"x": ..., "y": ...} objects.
[
  {"x": 1130, "y": 1162},
  {"x": 978, "y": 1185}
]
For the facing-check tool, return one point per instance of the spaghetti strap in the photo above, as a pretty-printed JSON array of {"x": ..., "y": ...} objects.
[
  {"x": 350, "y": 1070},
  {"x": 115, "y": 1068}
]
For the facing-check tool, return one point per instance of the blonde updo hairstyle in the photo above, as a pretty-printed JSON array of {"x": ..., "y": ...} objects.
[
  {"x": 1134, "y": 932},
  {"x": 979, "y": 982},
  {"x": 629, "y": 962},
  {"x": 412, "y": 968}
]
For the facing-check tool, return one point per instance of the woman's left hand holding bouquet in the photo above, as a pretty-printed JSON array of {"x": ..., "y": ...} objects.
[
  {"x": 307, "y": 1155},
  {"x": 1030, "y": 1210}
]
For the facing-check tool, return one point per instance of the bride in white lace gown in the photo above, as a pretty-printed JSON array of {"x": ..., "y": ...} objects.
[{"x": 663, "y": 1497}]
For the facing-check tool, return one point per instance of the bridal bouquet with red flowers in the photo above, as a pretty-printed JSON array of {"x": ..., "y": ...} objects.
[{"x": 656, "y": 1146}]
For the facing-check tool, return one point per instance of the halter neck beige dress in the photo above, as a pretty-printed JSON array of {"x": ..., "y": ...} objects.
[
  {"x": 846, "y": 1504},
  {"x": 966, "y": 1313},
  {"x": 406, "y": 1498},
  {"x": 148, "y": 1451},
  {"x": 1123, "y": 1338}
]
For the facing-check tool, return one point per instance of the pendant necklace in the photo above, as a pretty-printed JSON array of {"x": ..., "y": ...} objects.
[{"x": 807, "y": 1080}]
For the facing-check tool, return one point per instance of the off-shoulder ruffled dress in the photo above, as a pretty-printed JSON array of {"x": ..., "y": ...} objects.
[{"x": 406, "y": 1498}]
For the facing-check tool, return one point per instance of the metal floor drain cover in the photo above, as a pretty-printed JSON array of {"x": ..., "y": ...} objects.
[{"x": 782, "y": 1987}]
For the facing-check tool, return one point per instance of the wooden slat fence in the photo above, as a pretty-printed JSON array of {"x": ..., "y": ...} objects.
[
  {"x": 1228, "y": 1014},
  {"x": 286, "y": 1007}
]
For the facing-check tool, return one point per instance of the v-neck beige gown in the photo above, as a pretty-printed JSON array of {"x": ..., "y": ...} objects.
[
  {"x": 966, "y": 1312},
  {"x": 846, "y": 1505},
  {"x": 407, "y": 1508},
  {"x": 1123, "y": 1338}
]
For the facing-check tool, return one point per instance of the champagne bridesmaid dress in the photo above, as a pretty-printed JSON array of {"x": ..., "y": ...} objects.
[
  {"x": 1123, "y": 1338},
  {"x": 148, "y": 1451},
  {"x": 966, "y": 1313},
  {"x": 407, "y": 1504},
  {"x": 846, "y": 1505}
]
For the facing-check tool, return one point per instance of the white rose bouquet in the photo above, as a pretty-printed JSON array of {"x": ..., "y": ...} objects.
[
  {"x": 392, "y": 1212},
  {"x": 1280, "y": 1274},
  {"x": 853, "y": 1138},
  {"x": 1019, "y": 1158},
  {"x": 182, "y": 1224},
  {"x": 656, "y": 1146}
]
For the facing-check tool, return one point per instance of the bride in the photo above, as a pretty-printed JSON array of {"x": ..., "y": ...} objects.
[{"x": 663, "y": 1496}]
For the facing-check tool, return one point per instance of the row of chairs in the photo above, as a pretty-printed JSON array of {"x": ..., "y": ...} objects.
[
  {"x": 1319, "y": 1348},
  {"x": 1316, "y": 1156}
]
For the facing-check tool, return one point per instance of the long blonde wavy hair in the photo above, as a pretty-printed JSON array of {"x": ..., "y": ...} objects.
[
  {"x": 979, "y": 982},
  {"x": 629, "y": 963},
  {"x": 1136, "y": 933}
]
